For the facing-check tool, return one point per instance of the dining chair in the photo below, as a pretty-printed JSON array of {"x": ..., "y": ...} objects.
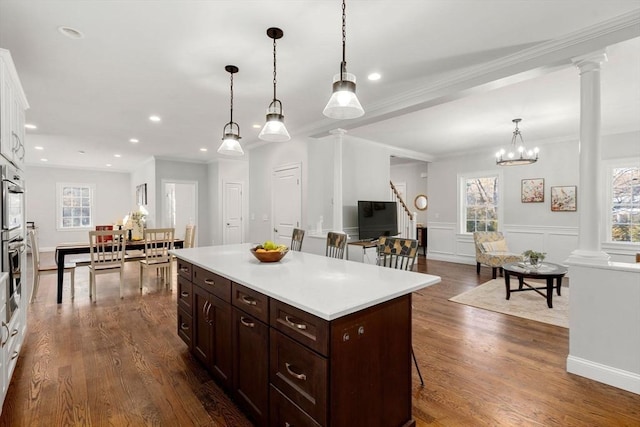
[
  {"x": 190, "y": 236},
  {"x": 336, "y": 242},
  {"x": 106, "y": 248},
  {"x": 296, "y": 239},
  {"x": 399, "y": 253},
  {"x": 157, "y": 244},
  {"x": 40, "y": 269}
]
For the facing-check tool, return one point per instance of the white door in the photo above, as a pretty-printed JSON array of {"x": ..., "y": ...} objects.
[
  {"x": 232, "y": 213},
  {"x": 180, "y": 205},
  {"x": 286, "y": 202}
]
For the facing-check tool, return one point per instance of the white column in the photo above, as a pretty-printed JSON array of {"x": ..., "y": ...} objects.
[
  {"x": 337, "y": 179},
  {"x": 589, "y": 186}
]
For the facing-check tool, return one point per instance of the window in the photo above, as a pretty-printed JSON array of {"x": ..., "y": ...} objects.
[
  {"x": 75, "y": 206},
  {"x": 479, "y": 202},
  {"x": 624, "y": 202}
]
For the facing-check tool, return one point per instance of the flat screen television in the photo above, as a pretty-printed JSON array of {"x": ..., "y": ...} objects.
[{"x": 377, "y": 219}]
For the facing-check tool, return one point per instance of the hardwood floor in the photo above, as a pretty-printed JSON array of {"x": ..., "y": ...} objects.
[{"x": 120, "y": 362}]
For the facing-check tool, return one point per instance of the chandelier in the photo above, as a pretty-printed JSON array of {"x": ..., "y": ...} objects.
[
  {"x": 231, "y": 132},
  {"x": 274, "y": 129},
  {"x": 516, "y": 154}
]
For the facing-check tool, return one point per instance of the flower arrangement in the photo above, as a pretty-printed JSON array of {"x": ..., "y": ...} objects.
[
  {"x": 135, "y": 221},
  {"x": 534, "y": 258}
]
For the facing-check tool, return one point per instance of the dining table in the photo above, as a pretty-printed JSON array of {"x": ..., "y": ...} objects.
[{"x": 77, "y": 248}]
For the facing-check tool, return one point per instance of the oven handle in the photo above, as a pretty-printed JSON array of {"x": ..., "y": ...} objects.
[
  {"x": 16, "y": 246},
  {"x": 12, "y": 187}
]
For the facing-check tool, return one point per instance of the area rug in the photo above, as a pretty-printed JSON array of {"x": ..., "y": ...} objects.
[{"x": 530, "y": 305}]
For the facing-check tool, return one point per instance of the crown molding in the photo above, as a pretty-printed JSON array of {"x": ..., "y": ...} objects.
[{"x": 527, "y": 63}]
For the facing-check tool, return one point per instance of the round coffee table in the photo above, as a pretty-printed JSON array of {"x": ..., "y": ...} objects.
[{"x": 547, "y": 271}]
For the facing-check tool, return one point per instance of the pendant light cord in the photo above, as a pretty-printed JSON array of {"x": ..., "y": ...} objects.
[
  {"x": 231, "y": 97},
  {"x": 343, "y": 64},
  {"x": 274, "y": 69}
]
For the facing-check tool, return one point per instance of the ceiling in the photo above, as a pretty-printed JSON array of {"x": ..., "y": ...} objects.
[{"x": 454, "y": 73}]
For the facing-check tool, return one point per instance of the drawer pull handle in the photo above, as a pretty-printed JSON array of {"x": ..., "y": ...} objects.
[
  {"x": 14, "y": 332},
  {"x": 184, "y": 294},
  {"x": 184, "y": 269},
  {"x": 293, "y": 373},
  {"x": 184, "y": 326},
  {"x": 14, "y": 355},
  {"x": 4, "y": 325},
  {"x": 248, "y": 300},
  {"x": 246, "y": 323},
  {"x": 300, "y": 326},
  {"x": 286, "y": 424},
  {"x": 209, "y": 282}
]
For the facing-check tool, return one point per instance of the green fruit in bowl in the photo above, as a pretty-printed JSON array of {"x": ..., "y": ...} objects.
[{"x": 269, "y": 245}]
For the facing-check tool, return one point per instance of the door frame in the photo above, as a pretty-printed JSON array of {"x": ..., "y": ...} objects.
[
  {"x": 165, "y": 214},
  {"x": 224, "y": 207}
]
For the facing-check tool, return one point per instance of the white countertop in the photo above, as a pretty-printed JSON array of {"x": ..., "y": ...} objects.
[{"x": 325, "y": 287}]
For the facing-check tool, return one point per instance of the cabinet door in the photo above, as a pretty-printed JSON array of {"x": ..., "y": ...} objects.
[
  {"x": 202, "y": 323},
  {"x": 221, "y": 355},
  {"x": 17, "y": 131},
  {"x": 5, "y": 113},
  {"x": 251, "y": 375}
]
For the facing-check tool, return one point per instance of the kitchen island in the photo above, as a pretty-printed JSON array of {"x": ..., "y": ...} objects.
[{"x": 307, "y": 341}]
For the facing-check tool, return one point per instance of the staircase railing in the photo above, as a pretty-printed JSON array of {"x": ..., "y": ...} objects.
[{"x": 406, "y": 219}]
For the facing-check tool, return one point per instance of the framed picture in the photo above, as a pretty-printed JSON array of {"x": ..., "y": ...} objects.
[
  {"x": 532, "y": 190},
  {"x": 564, "y": 199},
  {"x": 141, "y": 194}
]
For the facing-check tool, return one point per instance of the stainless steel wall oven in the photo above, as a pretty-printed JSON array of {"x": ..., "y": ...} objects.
[{"x": 13, "y": 236}]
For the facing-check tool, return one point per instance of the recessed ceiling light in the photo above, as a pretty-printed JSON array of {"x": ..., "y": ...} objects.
[
  {"x": 30, "y": 126},
  {"x": 72, "y": 33},
  {"x": 374, "y": 76},
  {"x": 44, "y": 160},
  {"x": 155, "y": 119},
  {"x": 82, "y": 152},
  {"x": 108, "y": 165},
  {"x": 203, "y": 149},
  {"x": 117, "y": 155},
  {"x": 256, "y": 126},
  {"x": 37, "y": 147},
  {"x": 134, "y": 140}
]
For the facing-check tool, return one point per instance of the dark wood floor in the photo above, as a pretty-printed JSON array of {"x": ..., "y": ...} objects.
[{"x": 120, "y": 362}]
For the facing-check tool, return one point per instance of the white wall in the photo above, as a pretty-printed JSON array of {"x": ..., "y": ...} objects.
[
  {"x": 262, "y": 161},
  {"x": 526, "y": 225},
  {"x": 169, "y": 170},
  {"x": 113, "y": 196},
  {"x": 411, "y": 174}
]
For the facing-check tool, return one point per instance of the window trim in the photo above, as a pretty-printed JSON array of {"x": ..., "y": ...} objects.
[
  {"x": 59, "y": 187},
  {"x": 607, "y": 182},
  {"x": 461, "y": 206}
]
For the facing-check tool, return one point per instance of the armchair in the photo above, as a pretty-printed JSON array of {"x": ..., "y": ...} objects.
[{"x": 492, "y": 251}]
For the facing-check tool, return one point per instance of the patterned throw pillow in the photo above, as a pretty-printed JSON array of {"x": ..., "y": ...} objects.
[{"x": 497, "y": 246}]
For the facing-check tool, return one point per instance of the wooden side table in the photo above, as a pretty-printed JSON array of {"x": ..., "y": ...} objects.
[{"x": 421, "y": 233}]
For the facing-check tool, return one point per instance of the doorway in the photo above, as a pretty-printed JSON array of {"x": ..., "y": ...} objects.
[
  {"x": 180, "y": 206},
  {"x": 287, "y": 202},
  {"x": 232, "y": 213}
]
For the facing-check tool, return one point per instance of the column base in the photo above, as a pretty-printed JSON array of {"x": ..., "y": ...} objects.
[{"x": 585, "y": 257}]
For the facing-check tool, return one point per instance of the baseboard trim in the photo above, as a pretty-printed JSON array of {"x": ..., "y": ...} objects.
[{"x": 615, "y": 377}]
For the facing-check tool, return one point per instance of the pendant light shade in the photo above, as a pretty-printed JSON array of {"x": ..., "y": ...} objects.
[
  {"x": 516, "y": 154},
  {"x": 343, "y": 103},
  {"x": 274, "y": 129},
  {"x": 231, "y": 131}
]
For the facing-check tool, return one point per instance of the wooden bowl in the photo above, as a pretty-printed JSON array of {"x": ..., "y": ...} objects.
[{"x": 273, "y": 256}]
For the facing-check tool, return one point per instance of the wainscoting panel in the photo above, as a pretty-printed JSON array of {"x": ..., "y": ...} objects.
[{"x": 441, "y": 238}]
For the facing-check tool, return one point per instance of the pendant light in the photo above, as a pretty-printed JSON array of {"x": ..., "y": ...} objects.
[
  {"x": 343, "y": 103},
  {"x": 231, "y": 132},
  {"x": 516, "y": 154},
  {"x": 274, "y": 129}
]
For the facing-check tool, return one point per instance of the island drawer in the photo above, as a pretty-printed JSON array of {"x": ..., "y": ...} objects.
[
  {"x": 300, "y": 374},
  {"x": 214, "y": 283},
  {"x": 185, "y": 294},
  {"x": 185, "y": 326},
  {"x": 184, "y": 269},
  {"x": 285, "y": 413},
  {"x": 251, "y": 302},
  {"x": 301, "y": 326}
]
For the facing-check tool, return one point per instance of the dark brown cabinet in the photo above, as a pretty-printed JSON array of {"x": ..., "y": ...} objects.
[
  {"x": 287, "y": 367},
  {"x": 251, "y": 370}
]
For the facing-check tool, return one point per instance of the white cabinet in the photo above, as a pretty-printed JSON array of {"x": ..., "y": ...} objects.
[{"x": 12, "y": 112}]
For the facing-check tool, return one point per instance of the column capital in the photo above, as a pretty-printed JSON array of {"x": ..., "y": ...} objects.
[
  {"x": 338, "y": 131},
  {"x": 591, "y": 61}
]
